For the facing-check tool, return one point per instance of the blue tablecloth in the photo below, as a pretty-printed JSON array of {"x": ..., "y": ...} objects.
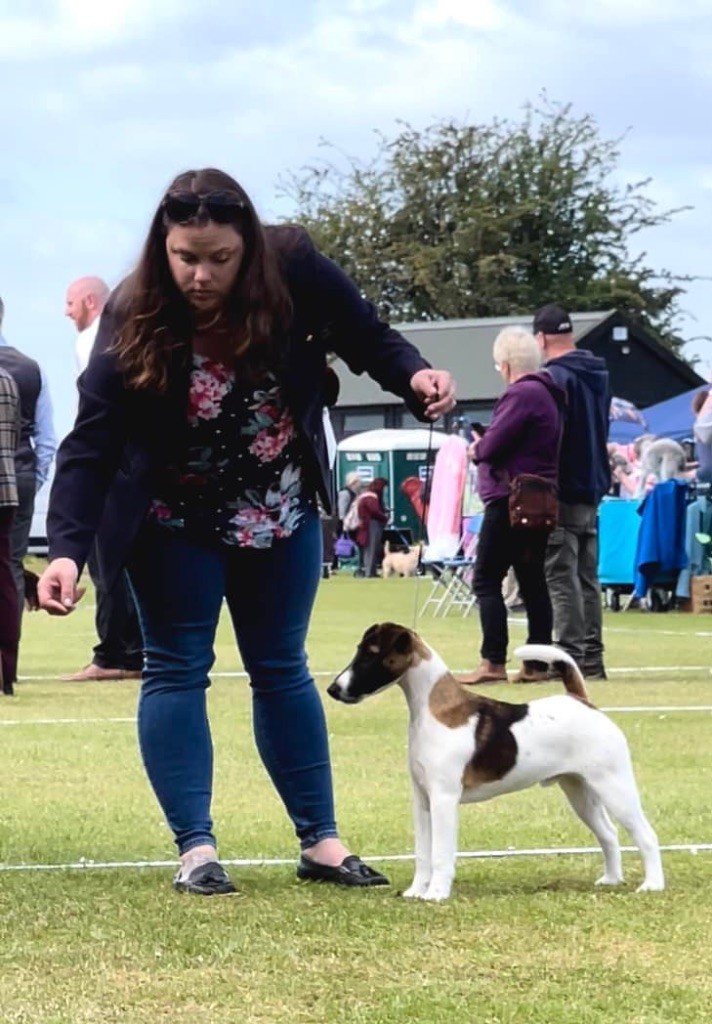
[{"x": 618, "y": 527}]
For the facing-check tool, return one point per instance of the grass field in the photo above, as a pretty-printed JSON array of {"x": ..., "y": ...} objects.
[{"x": 522, "y": 939}]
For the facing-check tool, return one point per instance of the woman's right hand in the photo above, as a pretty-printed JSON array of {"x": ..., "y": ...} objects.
[{"x": 57, "y": 589}]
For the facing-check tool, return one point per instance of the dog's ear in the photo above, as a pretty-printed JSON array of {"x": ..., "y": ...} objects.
[{"x": 403, "y": 641}]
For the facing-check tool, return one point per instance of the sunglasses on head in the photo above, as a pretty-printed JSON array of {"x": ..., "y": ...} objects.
[{"x": 221, "y": 207}]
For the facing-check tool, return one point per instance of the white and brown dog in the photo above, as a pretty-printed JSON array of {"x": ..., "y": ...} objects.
[
  {"x": 399, "y": 563},
  {"x": 464, "y": 748}
]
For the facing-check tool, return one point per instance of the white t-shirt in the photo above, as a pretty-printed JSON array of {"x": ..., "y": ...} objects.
[{"x": 85, "y": 343}]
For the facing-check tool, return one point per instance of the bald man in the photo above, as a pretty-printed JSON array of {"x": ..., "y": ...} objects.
[
  {"x": 119, "y": 652},
  {"x": 86, "y": 298}
]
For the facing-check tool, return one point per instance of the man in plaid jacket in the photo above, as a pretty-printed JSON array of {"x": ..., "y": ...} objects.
[{"x": 9, "y": 438}]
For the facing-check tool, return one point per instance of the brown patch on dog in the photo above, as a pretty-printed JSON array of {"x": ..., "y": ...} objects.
[
  {"x": 573, "y": 681},
  {"x": 403, "y": 647},
  {"x": 495, "y": 745}
]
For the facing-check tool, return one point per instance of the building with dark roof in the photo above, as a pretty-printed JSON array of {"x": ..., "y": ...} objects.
[{"x": 642, "y": 370}]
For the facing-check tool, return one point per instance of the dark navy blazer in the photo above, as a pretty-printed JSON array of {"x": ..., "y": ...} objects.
[{"x": 107, "y": 466}]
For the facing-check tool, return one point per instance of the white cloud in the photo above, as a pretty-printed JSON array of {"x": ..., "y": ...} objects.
[
  {"x": 612, "y": 14},
  {"x": 79, "y": 26},
  {"x": 481, "y": 15}
]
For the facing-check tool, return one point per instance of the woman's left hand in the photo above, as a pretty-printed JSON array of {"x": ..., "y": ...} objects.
[{"x": 436, "y": 389}]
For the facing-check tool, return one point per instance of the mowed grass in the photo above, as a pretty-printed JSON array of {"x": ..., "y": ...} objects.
[{"x": 522, "y": 939}]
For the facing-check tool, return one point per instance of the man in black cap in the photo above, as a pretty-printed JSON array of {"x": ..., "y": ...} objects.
[{"x": 584, "y": 477}]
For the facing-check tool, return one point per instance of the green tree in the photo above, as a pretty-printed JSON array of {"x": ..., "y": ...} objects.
[{"x": 461, "y": 220}]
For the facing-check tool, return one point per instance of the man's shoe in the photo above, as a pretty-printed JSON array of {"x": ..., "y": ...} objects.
[
  {"x": 350, "y": 872},
  {"x": 531, "y": 673},
  {"x": 530, "y": 676},
  {"x": 487, "y": 672},
  {"x": 95, "y": 673},
  {"x": 594, "y": 672},
  {"x": 209, "y": 879}
]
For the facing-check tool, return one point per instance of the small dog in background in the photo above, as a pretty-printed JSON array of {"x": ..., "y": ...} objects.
[
  {"x": 661, "y": 458},
  {"x": 400, "y": 563},
  {"x": 464, "y": 748}
]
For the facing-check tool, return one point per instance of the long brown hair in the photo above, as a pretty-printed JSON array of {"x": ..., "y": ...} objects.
[{"x": 155, "y": 318}]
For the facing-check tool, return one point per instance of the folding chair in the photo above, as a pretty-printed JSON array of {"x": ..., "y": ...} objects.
[{"x": 452, "y": 576}]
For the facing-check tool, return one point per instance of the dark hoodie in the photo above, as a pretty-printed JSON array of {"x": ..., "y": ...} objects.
[
  {"x": 584, "y": 471},
  {"x": 523, "y": 436}
]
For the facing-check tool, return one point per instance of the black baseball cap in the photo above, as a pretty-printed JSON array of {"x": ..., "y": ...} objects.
[{"x": 552, "y": 319}]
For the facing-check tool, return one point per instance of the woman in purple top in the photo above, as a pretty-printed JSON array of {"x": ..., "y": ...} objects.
[{"x": 523, "y": 437}]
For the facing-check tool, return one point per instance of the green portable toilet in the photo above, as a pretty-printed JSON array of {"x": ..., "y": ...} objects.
[{"x": 395, "y": 455}]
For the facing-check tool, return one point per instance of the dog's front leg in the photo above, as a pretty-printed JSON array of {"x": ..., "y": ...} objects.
[
  {"x": 444, "y": 807},
  {"x": 421, "y": 821}
]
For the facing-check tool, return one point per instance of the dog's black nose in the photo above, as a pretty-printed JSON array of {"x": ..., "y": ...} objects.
[{"x": 334, "y": 691}]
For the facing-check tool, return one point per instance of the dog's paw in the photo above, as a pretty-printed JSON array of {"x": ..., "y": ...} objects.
[
  {"x": 610, "y": 880},
  {"x": 437, "y": 893},
  {"x": 416, "y": 891},
  {"x": 653, "y": 885}
]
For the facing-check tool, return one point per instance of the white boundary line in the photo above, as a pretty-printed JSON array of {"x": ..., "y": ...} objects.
[
  {"x": 85, "y": 864},
  {"x": 625, "y": 709},
  {"x": 619, "y": 670}
]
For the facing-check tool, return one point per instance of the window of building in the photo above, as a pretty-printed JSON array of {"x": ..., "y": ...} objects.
[{"x": 356, "y": 421}]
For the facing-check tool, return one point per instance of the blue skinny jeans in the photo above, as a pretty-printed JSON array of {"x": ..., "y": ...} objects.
[{"x": 179, "y": 588}]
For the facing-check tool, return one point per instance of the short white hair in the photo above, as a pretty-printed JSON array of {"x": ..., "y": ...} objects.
[
  {"x": 518, "y": 347},
  {"x": 352, "y": 479}
]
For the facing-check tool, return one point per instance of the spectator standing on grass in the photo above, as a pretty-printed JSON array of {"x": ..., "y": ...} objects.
[
  {"x": 199, "y": 457},
  {"x": 35, "y": 451},
  {"x": 523, "y": 437},
  {"x": 373, "y": 516},
  {"x": 119, "y": 651},
  {"x": 10, "y": 420},
  {"x": 584, "y": 478}
]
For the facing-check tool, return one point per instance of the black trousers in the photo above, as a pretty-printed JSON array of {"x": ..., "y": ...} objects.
[
  {"x": 20, "y": 534},
  {"x": 9, "y": 620},
  {"x": 499, "y": 547},
  {"x": 117, "y": 625}
]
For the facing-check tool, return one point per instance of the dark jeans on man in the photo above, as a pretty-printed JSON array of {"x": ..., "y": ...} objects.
[
  {"x": 20, "y": 534},
  {"x": 117, "y": 624},
  {"x": 499, "y": 546},
  {"x": 9, "y": 620},
  {"x": 572, "y": 575}
]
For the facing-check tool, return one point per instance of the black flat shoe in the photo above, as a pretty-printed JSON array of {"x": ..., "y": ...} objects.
[
  {"x": 209, "y": 879},
  {"x": 351, "y": 871}
]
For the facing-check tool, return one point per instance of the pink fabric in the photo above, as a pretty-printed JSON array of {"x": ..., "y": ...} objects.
[{"x": 449, "y": 473}]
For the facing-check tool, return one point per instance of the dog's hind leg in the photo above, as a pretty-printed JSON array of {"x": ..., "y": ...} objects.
[
  {"x": 588, "y": 807},
  {"x": 423, "y": 845},
  {"x": 621, "y": 798}
]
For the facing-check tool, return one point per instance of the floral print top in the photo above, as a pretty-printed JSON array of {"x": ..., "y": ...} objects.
[{"x": 241, "y": 480}]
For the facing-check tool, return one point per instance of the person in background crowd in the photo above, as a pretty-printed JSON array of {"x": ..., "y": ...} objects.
[
  {"x": 119, "y": 651},
  {"x": 199, "y": 457},
  {"x": 584, "y": 478},
  {"x": 702, "y": 433},
  {"x": 347, "y": 496},
  {"x": 373, "y": 516},
  {"x": 9, "y": 618},
  {"x": 86, "y": 297},
  {"x": 344, "y": 501},
  {"x": 523, "y": 437},
  {"x": 35, "y": 451}
]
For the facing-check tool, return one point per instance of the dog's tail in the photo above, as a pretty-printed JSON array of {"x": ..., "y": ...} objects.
[
  {"x": 386, "y": 548},
  {"x": 559, "y": 660}
]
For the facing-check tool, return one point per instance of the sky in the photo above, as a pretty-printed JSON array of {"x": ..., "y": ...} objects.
[{"x": 103, "y": 103}]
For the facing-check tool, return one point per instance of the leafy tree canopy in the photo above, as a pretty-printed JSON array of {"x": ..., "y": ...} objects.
[{"x": 464, "y": 220}]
